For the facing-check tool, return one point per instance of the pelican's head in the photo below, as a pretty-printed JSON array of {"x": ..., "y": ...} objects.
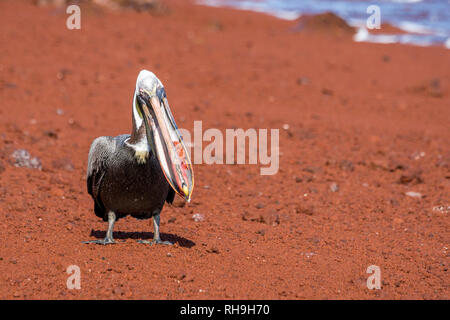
[{"x": 151, "y": 107}]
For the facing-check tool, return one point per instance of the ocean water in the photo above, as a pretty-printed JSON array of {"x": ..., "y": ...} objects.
[{"x": 427, "y": 22}]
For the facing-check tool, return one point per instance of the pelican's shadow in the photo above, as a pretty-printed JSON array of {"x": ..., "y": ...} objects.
[{"x": 182, "y": 242}]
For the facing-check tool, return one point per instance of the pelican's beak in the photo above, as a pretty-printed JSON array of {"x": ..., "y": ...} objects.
[{"x": 165, "y": 138}]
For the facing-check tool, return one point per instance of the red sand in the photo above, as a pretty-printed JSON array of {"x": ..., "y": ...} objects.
[{"x": 359, "y": 115}]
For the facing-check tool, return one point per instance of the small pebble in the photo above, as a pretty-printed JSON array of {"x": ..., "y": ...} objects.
[
  {"x": 444, "y": 209},
  {"x": 22, "y": 158},
  {"x": 334, "y": 187},
  {"x": 413, "y": 194},
  {"x": 198, "y": 217},
  {"x": 260, "y": 206},
  {"x": 172, "y": 220}
]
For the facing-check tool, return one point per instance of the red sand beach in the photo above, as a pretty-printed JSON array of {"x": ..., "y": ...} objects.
[{"x": 360, "y": 126}]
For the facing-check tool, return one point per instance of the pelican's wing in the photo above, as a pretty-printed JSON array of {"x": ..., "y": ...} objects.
[
  {"x": 170, "y": 196},
  {"x": 101, "y": 150}
]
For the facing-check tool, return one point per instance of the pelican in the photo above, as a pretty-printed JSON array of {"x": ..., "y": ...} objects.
[{"x": 135, "y": 174}]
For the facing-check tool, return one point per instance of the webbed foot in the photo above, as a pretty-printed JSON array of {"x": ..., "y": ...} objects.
[
  {"x": 103, "y": 241},
  {"x": 155, "y": 241}
]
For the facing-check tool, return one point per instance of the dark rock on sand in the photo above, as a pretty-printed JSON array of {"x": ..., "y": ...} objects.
[{"x": 327, "y": 22}]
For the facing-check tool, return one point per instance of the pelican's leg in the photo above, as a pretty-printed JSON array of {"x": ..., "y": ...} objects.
[
  {"x": 156, "y": 237},
  {"x": 109, "y": 234}
]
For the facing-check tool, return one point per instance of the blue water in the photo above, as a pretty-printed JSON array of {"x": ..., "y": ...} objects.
[{"x": 427, "y": 21}]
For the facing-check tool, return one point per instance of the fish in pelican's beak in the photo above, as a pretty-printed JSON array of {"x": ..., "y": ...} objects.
[{"x": 163, "y": 135}]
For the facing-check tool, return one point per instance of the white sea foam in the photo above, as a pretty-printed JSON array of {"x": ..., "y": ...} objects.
[
  {"x": 414, "y": 27},
  {"x": 254, "y": 6},
  {"x": 364, "y": 36},
  {"x": 447, "y": 43},
  {"x": 406, "y": 1}
]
